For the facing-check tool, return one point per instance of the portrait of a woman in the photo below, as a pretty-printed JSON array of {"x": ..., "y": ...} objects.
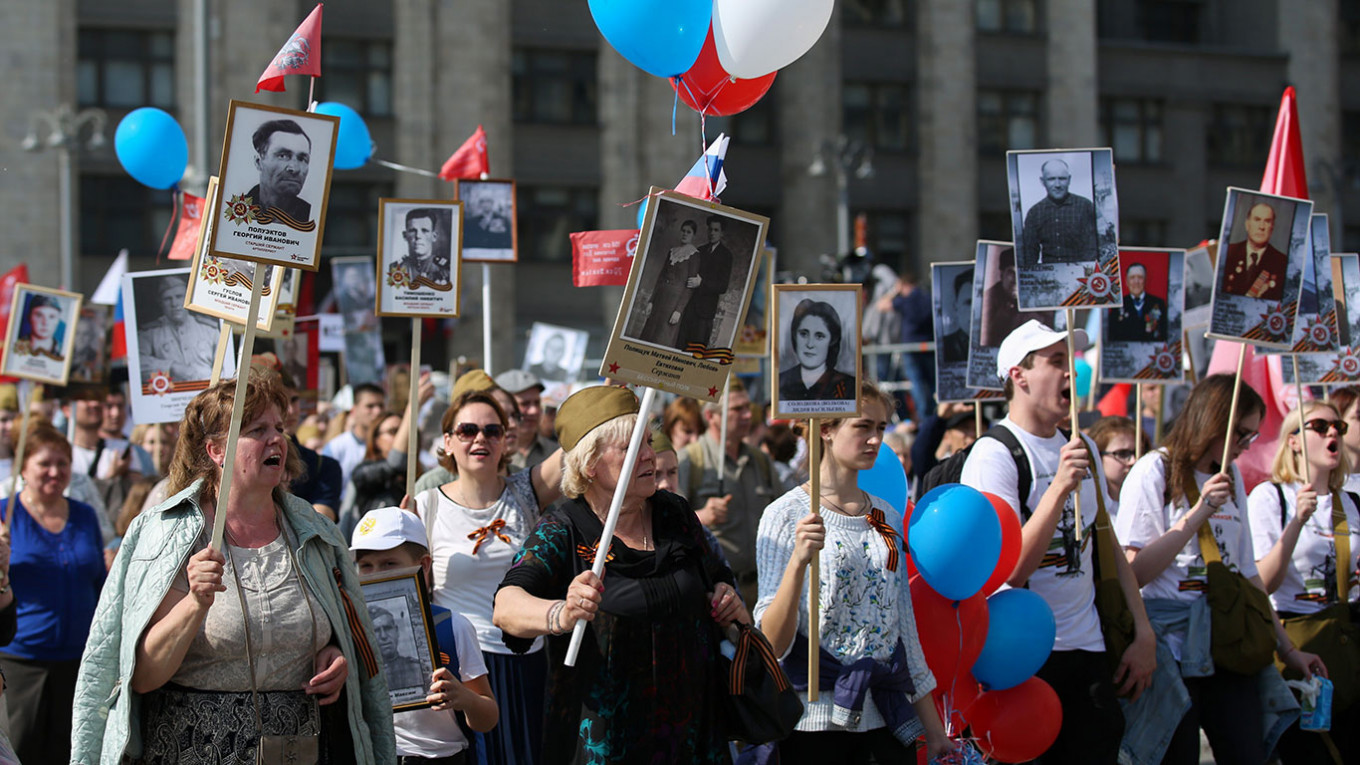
[
  {"x": 672, "y": 292},
  {"x": 815, "y": 336}
]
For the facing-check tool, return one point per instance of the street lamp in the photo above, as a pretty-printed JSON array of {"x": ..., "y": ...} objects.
[
  {"x": 64, "y": 126},
  {"x": 844, "y": 156}
]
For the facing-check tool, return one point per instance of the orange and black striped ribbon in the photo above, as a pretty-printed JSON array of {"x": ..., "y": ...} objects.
[
  {"x": 356, "y": 627},
  {"x": 486, "y": 531},
  {"x": 750, "y": 639},
  {"x": 889, "y": 534}
]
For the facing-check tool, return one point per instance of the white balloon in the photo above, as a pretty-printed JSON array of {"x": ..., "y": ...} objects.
[{"x": 756, "y": 37}]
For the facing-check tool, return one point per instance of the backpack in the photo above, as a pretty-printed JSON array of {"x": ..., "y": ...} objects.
[
  {"x": 695, "y": 452},
  {"x": 951, "y": 470}
]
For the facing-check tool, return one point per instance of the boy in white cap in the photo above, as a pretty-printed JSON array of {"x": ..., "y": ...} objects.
[
  {"x": 1054, "y": 562},
  {"x": 446, "y": 733}
]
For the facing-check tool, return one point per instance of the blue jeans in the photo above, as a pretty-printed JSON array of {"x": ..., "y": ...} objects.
[{"x": 919, "y": 369}]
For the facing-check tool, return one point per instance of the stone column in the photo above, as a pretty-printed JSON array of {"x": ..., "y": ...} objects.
[
  {"x": 808, "y": 110},
  {"x": 1071, "y": 102},
  {"x": 947, "y": 103},
  {"x": 1314, "y": 72}
]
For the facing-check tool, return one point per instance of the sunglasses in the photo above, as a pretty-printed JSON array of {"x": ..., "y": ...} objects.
[
  {"x": 466, "y": 431},
  {"x": 1125, "y": 456},
  {"x": 1321, "y": 426},
  {"x": 1245, "y": 440}
]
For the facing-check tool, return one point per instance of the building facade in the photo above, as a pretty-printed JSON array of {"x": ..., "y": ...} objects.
[{"x": 1185, "y": 91}]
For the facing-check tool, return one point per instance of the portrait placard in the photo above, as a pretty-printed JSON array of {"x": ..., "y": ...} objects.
[
  {"x": 996, "y": 313},
  {"x": 1263, "y": 244},
  {"x": 952, "y": 303},
  {"x": 816, "y": 350},
  {"x": 220, "y": 287},
  {"x": 555, "y": 356},
  {"x": 754, "y": 338},
  {"x": 489, "y": 223},
  {"x": 1315, "y": 324},
  {"x": 288, "y": 291},
  {"x": 41, "y": 334},
  {"x": 408, "y": 650},
  {"x": 1342, "y": 366},
  {"x": 419, "y": 247},
  {"x": 687, "y": 293},
  {"x": 1141, "y": 341},
  {"x": 275, "y": 185},
  {"x": 1199, "y": 286},
  {"x": 170, "y": 348},
  {"x": 90, "y": 358},
  {"x": 1065, "y": 218}
]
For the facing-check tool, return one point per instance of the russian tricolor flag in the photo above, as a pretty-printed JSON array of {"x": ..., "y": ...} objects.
[{"x": 706, "y": 179}]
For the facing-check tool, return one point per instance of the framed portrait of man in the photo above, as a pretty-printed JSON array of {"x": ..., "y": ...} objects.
[
  {"x": 399, "y": 606},
  {"x": 1065, "y": 219},
  {"x": 996, "y": 313},
  {"x": 816, "y": 350},
  {"x": 220, "y": 287},
  {"x": 754, "y": 337},
  {"x": 1263, "y": 245},
  {"x": 555, "y": 355},
  {"x": 489, "y": 234},
  {"x": 686, "y": 297},
  {"x": 1315, "y": 323},
  {"x": 419, "y": 248},
  {"x": 170, "y": 348},
  {"x": 41, "y": 334},
  {"x": 90, "y": 359},
  {"x": 288, "y": 291},
  {"x": 952, "y": 305},
  {"x": 1141, "y": 341},
  {"x": 275, "y": 184}
]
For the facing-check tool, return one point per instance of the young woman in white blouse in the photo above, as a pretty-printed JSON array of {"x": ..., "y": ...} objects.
[
  {"x": 1293, "y": 528},
  {"x": 865, "y": 605},
  {"x": 476, "y": 523}
]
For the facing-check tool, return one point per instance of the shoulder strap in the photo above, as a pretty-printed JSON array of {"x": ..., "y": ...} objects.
[
  {"x": 1026, "y": 478},
  {"x": 1208, "y": 545},
  {"x": 1107, "y": 545},
  {"x": 695, "y": 451},
  {"x": 1341, "y": 537},
  {"x": 93, "y": 470},
  {"x": 1284, "y": 514}
]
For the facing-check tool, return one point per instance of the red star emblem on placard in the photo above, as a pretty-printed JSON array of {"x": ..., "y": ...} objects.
[
  {"x": 613, "y": 368},
  {"x": 712, "y": 391}
]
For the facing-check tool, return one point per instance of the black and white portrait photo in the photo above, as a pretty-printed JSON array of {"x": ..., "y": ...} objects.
[
  {"x": 41, "y": 333},
  {"x": 952, "y": 304},
  {"x": 353, "y": 285},
  {"x": 555, "y": 354},
  {"x": 687, "y": 295},
  {"x": 1316, "y": 327},
  {"x": 399, "y": 608},
  {"x": 274, "y": 185},
  {"x": 996, "y": 311},
  {"x": 488, "y": 221},
  {"x": 90, "y": 359},
  {"x": 1064, "y": 215},
  {"x": 817, "y": 350},
  {"x": 1199, "y": 287},
  {"x": 418, "y": 257},
  {"x": 1262, "y": 246},
  {"x": 1142, "y": 339}
]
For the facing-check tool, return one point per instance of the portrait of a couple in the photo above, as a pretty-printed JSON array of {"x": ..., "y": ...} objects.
[{"x": 694, "y": 275}]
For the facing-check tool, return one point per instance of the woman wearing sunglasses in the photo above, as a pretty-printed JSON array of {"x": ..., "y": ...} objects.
[
  {"x": 1347, "y": 401},
  {"x": 1167, "y": 497},
  {"x": 1294, "y": 526},
  {"x": 476, "y": 523},
  {"x": 1116, "y": 438}
]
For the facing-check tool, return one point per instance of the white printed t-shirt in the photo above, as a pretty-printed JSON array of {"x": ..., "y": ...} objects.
[
  {"x": 430, "y": 733},
  {"x": 1064, "y": 578},
  {"x": 1309, "y": 582}
]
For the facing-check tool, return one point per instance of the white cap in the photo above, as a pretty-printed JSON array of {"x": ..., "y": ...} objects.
[
  {"x": 1029, "y": 337},
  {"x": 386, "y": 528}
]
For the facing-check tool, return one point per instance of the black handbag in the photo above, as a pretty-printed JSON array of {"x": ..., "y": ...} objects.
[{"x": 760, "y": 703}]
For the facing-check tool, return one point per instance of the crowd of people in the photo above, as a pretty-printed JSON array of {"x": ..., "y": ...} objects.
[{"x": 126, "y": 635}]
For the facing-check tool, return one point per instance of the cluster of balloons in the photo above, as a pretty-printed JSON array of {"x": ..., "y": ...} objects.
[{"x": 720, "y": 56}]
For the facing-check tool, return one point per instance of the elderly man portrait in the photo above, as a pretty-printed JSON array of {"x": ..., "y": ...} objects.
[
  {"x": 1061, "y": 227},
  {"x": 424, "y": 239},
  {"x": 1142, "y": 318},
  {"x": 175, "y": 342},
  {"x": 1255, "y": 268},
  {"x": 283, "y": 155}
]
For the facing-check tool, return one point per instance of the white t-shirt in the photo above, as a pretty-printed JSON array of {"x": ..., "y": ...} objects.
[
  {"x": 1352, "y": 483},
  {"x": 1064, "y": 577},
  {"x": 1310, "y": 579},
  {"x": 466, "y": 583},
  {"x": 431, "y": 733},
  {"x": 82, "y": 458},
  {"x": 348, "y": 450}
]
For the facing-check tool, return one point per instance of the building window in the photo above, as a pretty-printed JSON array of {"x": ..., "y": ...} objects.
[
  {"x": 554, "y": 86},
  {"x": 1142, "y": 232},
  {"x": 358, "y": 75},
  {"x": 547, "y": 214},
  {"x": 877, "y": 13},
  {"x": 1133, "y": 128},
  {"x": 118, "y": 212},
  {"x": 879, "y": 114},
  {"x": 1239, "y": 134},
  {"x": 753, "y": 127},
  {"x": 1007, "y": 119},
  {"x": 889, "y": 237},
  {"x": 352, "y": 217},
  {"x": 1171, "y": 21},
  {"x": 1013, "y": 16},
  {"x": 125, "y": 68}
]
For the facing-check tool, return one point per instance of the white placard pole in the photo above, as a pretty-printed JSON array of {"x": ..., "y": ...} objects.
[
  {"x": 413, "y": 406},
  {"x": 238, "y": 407},
  {"x": 486, "y": 319}
]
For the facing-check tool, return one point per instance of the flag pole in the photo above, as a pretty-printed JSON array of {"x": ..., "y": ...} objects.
[
  {"x": 220, "y": 355},
  {"x": 1072, "y": 413},
  {"x": 403, "y": 168},
  {"x": 1232, "y": 412},
  {"x": 238, "y": 406},
  {"x": 413, "y": 407},
  {"x": 486, "y": 323}
]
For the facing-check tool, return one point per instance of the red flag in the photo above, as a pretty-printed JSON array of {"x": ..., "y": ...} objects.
[
  {"x": 11, "y": 279},
  {"x": 190, "y": 221},
  {"x": 1285, "y": 172},
  {"x": 602, "y": 258},
  {"x": 300, "y": 55},
  {"x": 470, "y": 161}
]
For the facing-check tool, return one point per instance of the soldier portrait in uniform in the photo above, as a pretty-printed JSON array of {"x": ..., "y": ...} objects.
[
  {"x": 41, "y": 333},
  {"x": 418, "y": 257},
  {"x": 490, "y": 220}
]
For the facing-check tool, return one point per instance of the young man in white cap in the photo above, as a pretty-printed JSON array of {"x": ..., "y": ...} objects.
[
  {"x": 391, "y": 538},
  {"x": 1054, "y": 562}
]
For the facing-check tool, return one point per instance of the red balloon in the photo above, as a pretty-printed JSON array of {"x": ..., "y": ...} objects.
[
  {"x": 1017, "y": 724},
  {"x": 708, "y": 88},
  {"x": 953, "y": 700},
  {"x": 1010, "y": 544},
  {"x": 952, "y": 632}
]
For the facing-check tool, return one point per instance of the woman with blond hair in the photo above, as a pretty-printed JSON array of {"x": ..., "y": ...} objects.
[{"x": 1295, "y": 522}]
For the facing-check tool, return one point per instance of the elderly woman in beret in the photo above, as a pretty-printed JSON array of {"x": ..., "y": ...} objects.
[{"x": 646, "y": 684}]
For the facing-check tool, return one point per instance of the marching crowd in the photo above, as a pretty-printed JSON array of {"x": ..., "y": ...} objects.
[{"x": 124, "y": 635}]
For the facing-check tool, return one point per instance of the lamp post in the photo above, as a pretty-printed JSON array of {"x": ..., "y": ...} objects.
[
  {"x": 843, "y": 156},
  {"x": 64, "y": 126}
]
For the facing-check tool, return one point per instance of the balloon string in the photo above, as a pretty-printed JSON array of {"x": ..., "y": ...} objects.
[
  {"x": 675, "y": 105},
  {"x": 174, "y": 214}
]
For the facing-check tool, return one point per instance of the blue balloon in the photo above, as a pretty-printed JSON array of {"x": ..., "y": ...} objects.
[
  {"x": 1083, "y": 384},
  {"x": 955, "y": 539},
  {"x": 660, "y": 37},
  {"x": 642, "y": 212},
  {"x": 886, "y": 479},
  {"x": 353, "y": 144},
  {"x": 1020, "y": 634},
  {"x": 151, "y": 147}
]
